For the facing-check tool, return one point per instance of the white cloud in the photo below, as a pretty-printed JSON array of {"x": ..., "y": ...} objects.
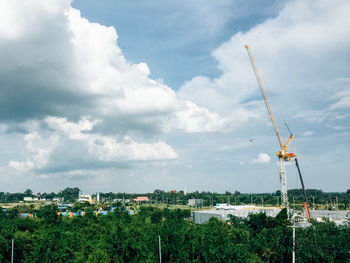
[
  {"x": 70, "y": 129},
  {"x": 44, "y": 154},
  {"x": 342, "y": 103},
  {"x": 76, "y": 68},
  {"x": 262, "y": 158},
  {"x": 336, "y": 127},
  {"x": 60, "y": 64},
  {"x": 126, "y": 90},
  {"x": 109, "y": 148},
  {"x": 307, "y": 133},
  {"x": 343, "y": 96},
  {"x": 192, "y": 118},
  {"x": 39, "y": 151},
  {"x": 293, "y": 52}
]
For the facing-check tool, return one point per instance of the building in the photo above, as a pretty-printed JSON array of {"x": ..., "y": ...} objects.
[
  {"x": 121, "y": 200},
  {"x": 195, "y": 202},
  {"x": 64, "y": 207},
  {"x": 85, "y": 198},
  {"x": 223, "y": 211},
  {"x": 30, "y": 199},
  {"x": 141, "y": 199},
  {"x": 339, "y": 217}
]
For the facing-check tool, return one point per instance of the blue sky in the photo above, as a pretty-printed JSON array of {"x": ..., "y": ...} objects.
[
  {"x": 176, "y": 38},
  {"x": 133, "y": 96}
]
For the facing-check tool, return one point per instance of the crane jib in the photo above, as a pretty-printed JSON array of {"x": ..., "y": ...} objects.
[{"x": 257, "y": 75}]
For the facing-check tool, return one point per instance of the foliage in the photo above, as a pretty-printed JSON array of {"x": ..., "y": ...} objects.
[
  {"x": 69, "y": 194},
  {"x": 49, "y": 214},
  {"x": 120, "y": 237}
]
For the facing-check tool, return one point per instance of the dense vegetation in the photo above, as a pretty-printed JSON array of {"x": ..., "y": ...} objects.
[{"x": 119, "y": 237}]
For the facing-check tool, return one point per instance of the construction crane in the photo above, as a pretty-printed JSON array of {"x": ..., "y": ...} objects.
[{"x": 283, "y": 154}]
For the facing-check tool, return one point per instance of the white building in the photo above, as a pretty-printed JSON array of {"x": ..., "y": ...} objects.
[
  {"x": 195, "y": 202},
  {"x": 30, "y": 199},
  {"x": 223, "y": 211},
  {"x": 84, "y": 198}
]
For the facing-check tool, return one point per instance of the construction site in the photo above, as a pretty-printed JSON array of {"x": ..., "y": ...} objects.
[{"x": 224, "y": 211}]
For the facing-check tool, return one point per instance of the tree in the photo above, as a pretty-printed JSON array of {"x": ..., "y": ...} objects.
[
  {"x": 98, "y": 256},
  {"x": 12, "y": 213},
  {"x": 28, "y": 193},
  {"x": 49, "y": 214},
  {"x": 70, "y": 194}
]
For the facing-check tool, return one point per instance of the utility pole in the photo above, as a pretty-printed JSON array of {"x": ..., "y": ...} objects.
[
  {"x": 251, "y": 200},
  {"x": 12, "y": 250},
  {"x": 336, "y": 198},
  {"x": 160, "y": 250},
  {"x": 313, "y": 203},
  {"x": 262, "y": 201},
  {"x": 293, "y": 253}
]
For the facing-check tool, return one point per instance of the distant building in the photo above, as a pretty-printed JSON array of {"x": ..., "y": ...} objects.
[
  {"x": 141, "y": 199},
  {"x": 121, "y": 200},
  {"x": 223, "y": 211},
  {"x": 64, "y": 207},
  {"x": 30, "y": 199},
  {"x": 338, "y": 217},
  {"x": 85, "y": 198},
  {"x": 195, "y": 202}
]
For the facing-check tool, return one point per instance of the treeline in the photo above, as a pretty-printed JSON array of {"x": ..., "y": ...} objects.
[
  {"x": 119, "y": 237},
  {"x": 68, "y": 194},
  {"x": 334, "y": 200}
]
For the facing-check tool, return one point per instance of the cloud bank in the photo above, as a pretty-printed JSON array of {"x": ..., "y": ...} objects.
[
  {"x": 57, "y": 68},
  {"x": 302, "y": 55}
]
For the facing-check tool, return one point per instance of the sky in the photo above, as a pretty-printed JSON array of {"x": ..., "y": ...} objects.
[{"x": 133, "y": 96}]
